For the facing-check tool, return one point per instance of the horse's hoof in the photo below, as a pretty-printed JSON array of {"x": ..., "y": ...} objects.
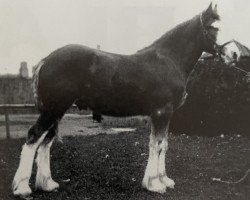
[
  {"x": 168, "y": 182},
  {"x": 155, "y": 185},
  {"x": 22, "y": 189},
  {"x": 48, "y": 186},
  {"x": 51, "y": 186}
]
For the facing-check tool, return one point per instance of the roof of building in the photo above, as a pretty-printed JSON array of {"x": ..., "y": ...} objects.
[
  {"x": 244, "y": 51},
  {"x": 9, "y": 76}
]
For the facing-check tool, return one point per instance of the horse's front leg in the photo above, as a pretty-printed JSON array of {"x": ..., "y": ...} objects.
[
  {"x": 155, "y": 178},
  {"x": 168, "y": 182}
]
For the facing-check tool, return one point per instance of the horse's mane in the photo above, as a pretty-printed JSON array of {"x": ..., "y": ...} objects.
[{"x": 169, "y": 34}]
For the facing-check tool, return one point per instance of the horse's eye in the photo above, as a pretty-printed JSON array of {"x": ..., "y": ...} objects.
[
  {"x": 213, "y": 28},
  {"x": 216, "y": 29}
]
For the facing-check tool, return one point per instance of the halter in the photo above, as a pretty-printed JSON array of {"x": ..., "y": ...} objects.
[
  {"x": 218, "y": 47},
  {"x": 205, "y": 32},
  {"x": 207, "y": 36}
]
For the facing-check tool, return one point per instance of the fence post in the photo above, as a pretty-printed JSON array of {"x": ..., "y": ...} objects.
[{"x": 7, "y": 123}]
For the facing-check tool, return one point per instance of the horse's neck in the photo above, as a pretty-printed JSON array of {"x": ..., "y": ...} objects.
[{"x": 183, "y": 45}]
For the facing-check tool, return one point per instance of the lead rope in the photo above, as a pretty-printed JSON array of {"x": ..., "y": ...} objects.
[
  {"x": 248, "y": 171},
  {"x": 233, "y": 182},
  {"x": 247, "y": 74},
  {"x": 242, "y": 70}
]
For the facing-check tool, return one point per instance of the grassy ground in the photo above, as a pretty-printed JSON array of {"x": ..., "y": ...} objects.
[{"x": 108, "y": 166}]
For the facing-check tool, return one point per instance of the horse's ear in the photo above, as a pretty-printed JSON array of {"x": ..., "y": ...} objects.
[
  {"x": 212, "y": 8},
  {"x": 211, "y": 14},
  {"x": 209, "y": 9}
]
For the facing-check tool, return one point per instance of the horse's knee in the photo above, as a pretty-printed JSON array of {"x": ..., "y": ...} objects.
[{"x": 160, "y": 119}]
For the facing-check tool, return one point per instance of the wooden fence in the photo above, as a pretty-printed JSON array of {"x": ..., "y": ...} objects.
[{"x": 8, "y": 107}]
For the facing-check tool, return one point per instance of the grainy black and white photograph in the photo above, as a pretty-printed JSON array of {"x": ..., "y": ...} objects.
[{"x": 125, "y": 100}]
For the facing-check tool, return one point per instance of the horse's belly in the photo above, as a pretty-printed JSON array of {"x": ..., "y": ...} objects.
[
  {"x": 116, "y": 104},
  {"x": 122, "y": 108}
]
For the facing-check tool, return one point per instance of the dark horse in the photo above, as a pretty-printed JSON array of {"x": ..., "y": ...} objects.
[{"x": 150, "y": 82}]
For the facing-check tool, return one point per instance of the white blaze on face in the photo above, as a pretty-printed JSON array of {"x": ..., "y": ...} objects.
[
  {"x": 229, "y": 51},
  {"x": 219, "y": 39},
  {"x": 216, "y": 24},
  {"x": 218, "y": 7}
]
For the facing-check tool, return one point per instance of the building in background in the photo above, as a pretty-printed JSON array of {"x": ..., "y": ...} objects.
[
  {"x": 236, "y": 47},
  {"x": 241, "y": 50},
  {"x": 16, "y": 88},
  {"x": 23, "y": 70}
]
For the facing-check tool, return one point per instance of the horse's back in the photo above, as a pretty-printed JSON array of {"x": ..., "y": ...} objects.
[
  {"x": 74, "y": 71},
  {"x": 61, "y": 73},
  {"x": 112, "y": 84}
]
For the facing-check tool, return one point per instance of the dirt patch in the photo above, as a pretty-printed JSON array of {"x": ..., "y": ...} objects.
[{"x": 112, "y": 166}]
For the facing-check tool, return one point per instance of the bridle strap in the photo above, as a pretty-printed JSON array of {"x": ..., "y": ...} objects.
[
  {"x": 226, "y": 43},
  {"x": 207, "y": 36},
  {"x": 218, "y": 47},
  {"x": 205, "y": 32}
]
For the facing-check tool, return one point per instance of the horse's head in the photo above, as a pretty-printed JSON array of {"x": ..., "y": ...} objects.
[{"x": 210, "y": 21}]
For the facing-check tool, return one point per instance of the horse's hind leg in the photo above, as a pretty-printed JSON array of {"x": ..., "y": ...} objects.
[
  {"x": 44, "y": 180},
  {"x": 155, "y": 178},
  {"x": 36, "y": 136}
]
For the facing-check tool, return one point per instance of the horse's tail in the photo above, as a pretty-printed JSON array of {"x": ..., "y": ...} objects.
[{"x": 35, "y": 83}]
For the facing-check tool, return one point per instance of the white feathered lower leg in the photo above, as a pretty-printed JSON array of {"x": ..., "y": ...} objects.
[
  {"x": 44, "y": 180},
  {"x": 151, "y": 180},
  {"x": 20, "y": 183},
  {"x": 162, "y": 169}
]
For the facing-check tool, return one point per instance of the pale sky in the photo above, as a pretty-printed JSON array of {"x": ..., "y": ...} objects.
[{"x": 31, "y": 29}]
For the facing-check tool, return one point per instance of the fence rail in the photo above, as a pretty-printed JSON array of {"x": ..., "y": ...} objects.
[
  {"x": 7, "y": 107},
  {"x": 17, "y": 106}
]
